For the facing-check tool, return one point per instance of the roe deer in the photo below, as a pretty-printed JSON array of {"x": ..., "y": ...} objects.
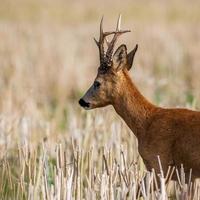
[{"x": 171, "y": 133}]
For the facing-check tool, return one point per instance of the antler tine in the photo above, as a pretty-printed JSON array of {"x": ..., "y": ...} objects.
[
  {"x": 101, "y": 29},
  {"x": 119, "y": 22},
  {"x": 101, "y": 42},
  {"x": 116, "y": 33}
]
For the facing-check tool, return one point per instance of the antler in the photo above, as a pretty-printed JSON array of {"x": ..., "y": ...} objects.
[
  {"x": 100, "y": 43},
  {"x": 107, "y": 58},
  {"x": 111, "y": 45}
]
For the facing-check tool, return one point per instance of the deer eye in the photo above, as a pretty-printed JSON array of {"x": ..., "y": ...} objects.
[{"x": 96, "y": 85}]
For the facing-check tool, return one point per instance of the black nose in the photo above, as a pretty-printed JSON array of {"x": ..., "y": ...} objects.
[{"x": 83, "y": 103}]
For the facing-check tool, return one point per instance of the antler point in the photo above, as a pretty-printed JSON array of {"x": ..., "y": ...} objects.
[
  {"x": 119, "y": 22},
  {"x": 97, "y": 43}
]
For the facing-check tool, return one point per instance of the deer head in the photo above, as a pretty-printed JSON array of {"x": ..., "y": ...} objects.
[{"x": 112, "y": 70}]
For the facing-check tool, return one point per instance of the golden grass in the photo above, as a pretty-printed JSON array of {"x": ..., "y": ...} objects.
[{"x": 67, "y": 171}]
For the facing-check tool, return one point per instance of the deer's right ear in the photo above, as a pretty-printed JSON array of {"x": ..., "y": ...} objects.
[
  {"x": 120, "y": 57},
  {"x": 130, "y": 57}
]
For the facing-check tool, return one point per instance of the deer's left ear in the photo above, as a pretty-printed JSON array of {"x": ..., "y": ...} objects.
[
  {"x": 120, "y": 57},
  {"x": 130, "y": 57}
]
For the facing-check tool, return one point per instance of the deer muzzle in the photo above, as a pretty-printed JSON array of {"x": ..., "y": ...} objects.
[{"x": 84, "y": 104}]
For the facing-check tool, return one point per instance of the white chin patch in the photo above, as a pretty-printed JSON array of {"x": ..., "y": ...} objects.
[{"x": 87, "y": 108}]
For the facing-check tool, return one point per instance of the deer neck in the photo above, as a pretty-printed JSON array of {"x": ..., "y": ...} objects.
[{"x": 133, "y": 107}]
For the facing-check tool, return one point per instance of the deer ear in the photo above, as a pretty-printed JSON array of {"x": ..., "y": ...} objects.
[
  {"x": 120, "y": 57},
  {"x": 130, "y": 57}
]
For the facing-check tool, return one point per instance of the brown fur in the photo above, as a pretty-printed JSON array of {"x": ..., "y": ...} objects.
[{"x": 173, "y": 134}]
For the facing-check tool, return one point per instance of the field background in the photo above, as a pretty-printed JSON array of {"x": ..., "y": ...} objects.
[{"x": 47, "y": 61}]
